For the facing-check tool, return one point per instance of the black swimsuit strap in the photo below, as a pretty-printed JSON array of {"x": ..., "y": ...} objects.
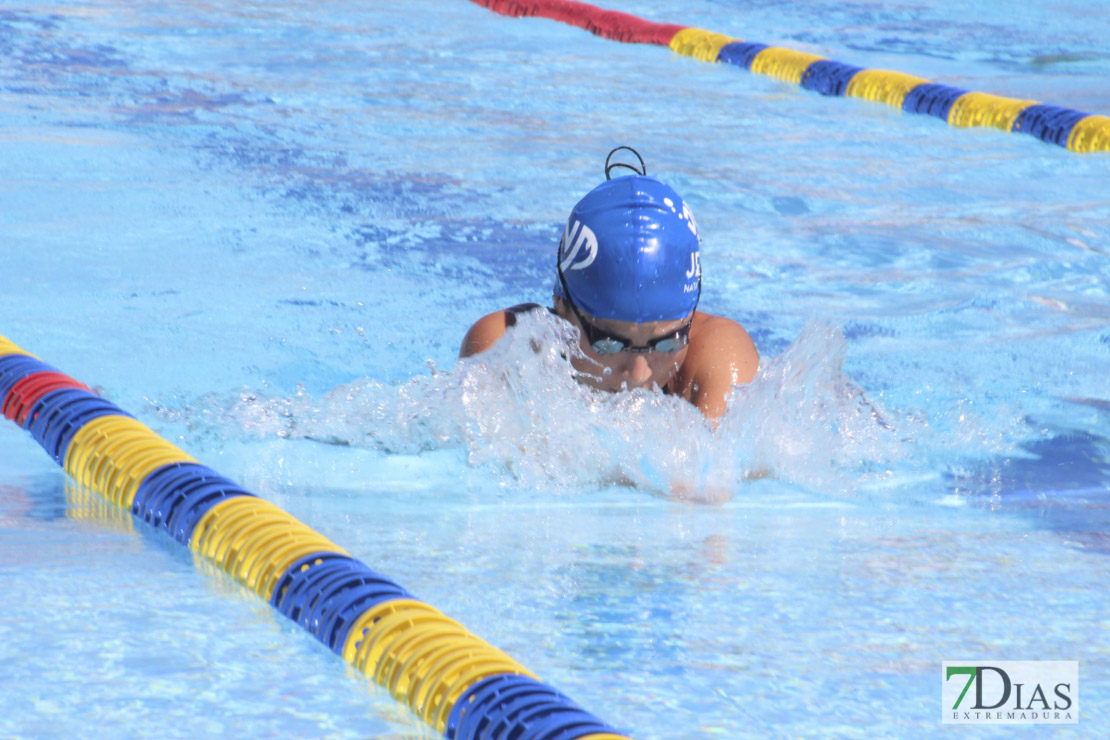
[{"x": 521, "y": 308}]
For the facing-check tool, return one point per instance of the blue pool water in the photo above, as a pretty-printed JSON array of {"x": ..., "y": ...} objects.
[{"x": 265, "y": 227}]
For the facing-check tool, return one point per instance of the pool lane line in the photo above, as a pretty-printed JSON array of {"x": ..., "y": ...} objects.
[
  {"x": 1075, "y": 130},
  {"x": 454, "y": 680}
]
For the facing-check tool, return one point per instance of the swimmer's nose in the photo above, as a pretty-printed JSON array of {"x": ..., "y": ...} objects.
[{"x": 638, "y": 370}]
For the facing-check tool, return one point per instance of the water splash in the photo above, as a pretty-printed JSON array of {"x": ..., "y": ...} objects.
[
  {"x": 517, "y": 410},
  {"x": 806, "y": 421}
]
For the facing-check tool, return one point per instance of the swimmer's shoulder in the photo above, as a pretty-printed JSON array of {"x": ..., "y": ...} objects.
[
  {"x": 489, "y": 329},
  {"x": 721, "y": 355},
  {"x": 717, "y": 342}
]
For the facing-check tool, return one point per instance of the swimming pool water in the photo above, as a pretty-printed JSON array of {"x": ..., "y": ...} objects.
[{"x": 260, "y": 227}]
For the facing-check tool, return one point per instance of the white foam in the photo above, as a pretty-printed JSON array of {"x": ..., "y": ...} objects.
[{"x": 517, "y": 410}]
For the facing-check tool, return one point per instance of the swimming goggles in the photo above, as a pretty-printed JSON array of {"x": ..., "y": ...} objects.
[{"x": 607, "y": 343}]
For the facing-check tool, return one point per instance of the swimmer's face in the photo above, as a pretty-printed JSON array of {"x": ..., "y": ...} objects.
[{"x": 619, "y": 371}]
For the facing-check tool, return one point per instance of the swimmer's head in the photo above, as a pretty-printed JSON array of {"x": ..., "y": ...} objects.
[{"x": 630, "y": 252}]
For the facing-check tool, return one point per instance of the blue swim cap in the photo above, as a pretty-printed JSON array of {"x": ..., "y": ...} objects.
[{"x": 630, "y": 252}]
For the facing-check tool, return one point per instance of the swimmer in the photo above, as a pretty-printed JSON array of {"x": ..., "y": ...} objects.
[{"x": 628, "y": 276}]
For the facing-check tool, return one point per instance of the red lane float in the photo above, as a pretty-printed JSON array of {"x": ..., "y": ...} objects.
[{"x": 609, "y": 24}]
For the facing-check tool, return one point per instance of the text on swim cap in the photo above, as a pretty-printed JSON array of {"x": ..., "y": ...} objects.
[
  {"x": 695, "y": 266},
  {"x": 690, "y": 219},
  {"x": 686, "y": 215},
  {"x": 575, "y": 236}
]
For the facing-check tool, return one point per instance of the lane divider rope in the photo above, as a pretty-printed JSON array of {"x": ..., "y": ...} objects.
[
  {"x": 1075, "y": 130},
  {"x": 456, "y": 682}
]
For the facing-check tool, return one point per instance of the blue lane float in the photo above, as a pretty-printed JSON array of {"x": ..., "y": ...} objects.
[
  {"x": 454, "y": 680},
  {"x": 932, "y": 100},
  {"x": 175, "y": 497},
  {"x": 829, "y": 78}
]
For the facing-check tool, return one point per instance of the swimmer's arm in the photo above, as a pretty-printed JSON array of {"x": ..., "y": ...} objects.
[
  {"x": 485, "y": 333},
  {"x": 725, "y": 357}
]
